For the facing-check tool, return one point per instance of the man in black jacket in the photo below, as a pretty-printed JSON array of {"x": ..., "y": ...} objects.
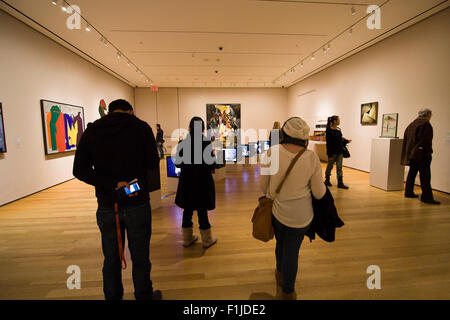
[
  {"x": 160, "y": 140},
  {"x": 416, "y": 153},
  {"x": 113, "y": 151}
]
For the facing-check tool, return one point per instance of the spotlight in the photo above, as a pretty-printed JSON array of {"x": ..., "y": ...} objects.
[
  {"x": 63, "y": 7},
  {"x": 119, "y": 54},
  {"x": 88, "y": 28},
  {"x": 128, "y": 63},
  {"x": 55, "y": 2},
  {"x": 353, "y": 11},
  {"x": 313, "y": 58},
  {"x": 350, "y": 31}
]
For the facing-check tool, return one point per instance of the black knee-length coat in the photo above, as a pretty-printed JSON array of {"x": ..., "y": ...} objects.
[{"x": 196, "y": 189}]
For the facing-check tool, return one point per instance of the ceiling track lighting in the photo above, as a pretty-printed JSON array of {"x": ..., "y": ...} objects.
[
  {"x": 353, "y": 11},
  {"x": 54, "y": 3},
  {"x": 88, "y": 27}
]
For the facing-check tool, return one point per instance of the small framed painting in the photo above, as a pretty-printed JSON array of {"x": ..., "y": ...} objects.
[
  {"x": 63, "y": 124},
  {"x": 390, "y": 124},
  {"x": 369, "y": 114},
  {"x": 2, "y": 131}
]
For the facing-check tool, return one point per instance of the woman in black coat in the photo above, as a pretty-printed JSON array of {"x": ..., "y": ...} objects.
[
  {"x": 196, "y": 190},
  {"x": 335, "y": 148}
]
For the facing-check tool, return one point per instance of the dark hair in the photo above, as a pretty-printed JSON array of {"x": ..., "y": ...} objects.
[
  {"x": 285, "y": 138},
  {"x": 158, "y": 125},
  {"x": 331, "y": 120},
  {"x": 192, "y": 124},
  {"x": 120, "y": 104}
]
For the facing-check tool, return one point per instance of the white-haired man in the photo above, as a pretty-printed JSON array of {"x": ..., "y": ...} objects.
[{"x": 416, "y": 153}]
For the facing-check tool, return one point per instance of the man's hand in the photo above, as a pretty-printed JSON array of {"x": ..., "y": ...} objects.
[{"x": 123, "y": 184}]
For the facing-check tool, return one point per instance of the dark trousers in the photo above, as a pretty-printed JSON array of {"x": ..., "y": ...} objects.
[
  {"x": 287, "y": 248},
  {"x": 423, "y": 167},
  {"x": 338, "y": 158},
  {"x": 203, "y": 220},
  {"x": 137, "y": 223},
  {"x": 160, "y": 149}
]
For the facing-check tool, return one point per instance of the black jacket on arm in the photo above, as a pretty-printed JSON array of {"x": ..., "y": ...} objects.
[{"x": 117, "y": 147}]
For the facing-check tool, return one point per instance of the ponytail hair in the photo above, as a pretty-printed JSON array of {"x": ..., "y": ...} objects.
[{"x": 331, "y": 120}]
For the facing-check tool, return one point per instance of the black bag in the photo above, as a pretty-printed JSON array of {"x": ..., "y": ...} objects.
[{"x": 345, "y": 152}]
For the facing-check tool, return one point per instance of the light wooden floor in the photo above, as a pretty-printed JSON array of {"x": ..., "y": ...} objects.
[{"x": 40, "y": 236}]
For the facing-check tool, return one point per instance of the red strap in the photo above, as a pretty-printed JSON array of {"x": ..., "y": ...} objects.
[{"x": 119, "y": 238}]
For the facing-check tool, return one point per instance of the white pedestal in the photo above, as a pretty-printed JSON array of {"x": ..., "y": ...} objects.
[
  {"x": 172, "y": 184},
  {"x": 155, "y": 199},
  {"x": 320, "y": 148},
  {"x": 219, "y": 174},
  {"x": 386, "y": 172}
]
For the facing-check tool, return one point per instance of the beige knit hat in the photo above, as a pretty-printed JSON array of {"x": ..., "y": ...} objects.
[{"x": 296, "y": 128}]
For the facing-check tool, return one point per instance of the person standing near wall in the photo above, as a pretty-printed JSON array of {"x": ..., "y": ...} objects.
[
  {"x": 335, "y": 144},
  {"x": 276, "y": 127},
  {"x": 113, "y": 151},
  {"x": 160, "y": 140},
  {"x": 416, "y": 153},
  {"x": 196, "y": 189}
]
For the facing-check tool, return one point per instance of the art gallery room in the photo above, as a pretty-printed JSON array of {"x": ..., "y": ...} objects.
[{"x": 380, "y": 66}]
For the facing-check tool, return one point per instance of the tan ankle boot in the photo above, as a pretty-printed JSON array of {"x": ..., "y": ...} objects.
[
  {"x": 188, "y": 237},
  {"x": 207, "y": 238}
]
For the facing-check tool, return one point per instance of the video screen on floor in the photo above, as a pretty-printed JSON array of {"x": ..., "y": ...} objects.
[
  {"x": 252, "y": 149},
  {"x": 172, "y": 170},
  {"x": 230, "y": 154},
  {"x": 263, "y": 146},
  {"x": 220, "y": 158},
  {"x": 244, "y": 150}
]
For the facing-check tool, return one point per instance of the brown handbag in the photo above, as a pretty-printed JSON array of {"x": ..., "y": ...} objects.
[{"x": 262, "y": 216}]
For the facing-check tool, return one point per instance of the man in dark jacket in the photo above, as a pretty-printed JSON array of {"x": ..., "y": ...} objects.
[
  {"x": 160, "y": 140},
  {"x": 416, "y": 153},
  {"x": 113, "y": 151}
]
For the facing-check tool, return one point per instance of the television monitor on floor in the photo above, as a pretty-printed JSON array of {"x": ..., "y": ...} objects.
[
  {"x": 245, "y": 150},
  {"x": 220, "y": 158},
  {"x": 252, "y": 149},
  {"x": 263, "y": 146},
  {"x": 230, "y": 154},
  {"x": 172, "y": 170}
]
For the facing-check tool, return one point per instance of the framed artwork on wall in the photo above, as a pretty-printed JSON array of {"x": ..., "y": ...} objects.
[
  {"x": 63, "y": 124},
  {"x": 369, "y": 114},
  {"x": 390, "y": 124},
  {"x": 2, "y": 131},
  {"x": 223, "y": 120}
]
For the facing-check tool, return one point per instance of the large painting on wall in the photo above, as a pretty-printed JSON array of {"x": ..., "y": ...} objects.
[
  {"x": 2, "y": 131},
  {"x": 390, "y": 124},
  {"x": 63, "y": 124},
  {"x": 223, "y": 120},
  {"x": 369, "y": 114}
]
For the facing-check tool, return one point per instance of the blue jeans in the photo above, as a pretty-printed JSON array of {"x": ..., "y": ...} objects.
[
  {"x": 288, "y": 245},
  {"x": 138, "y": 225}
]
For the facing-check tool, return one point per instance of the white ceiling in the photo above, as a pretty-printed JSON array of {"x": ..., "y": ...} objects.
[{"x": 175, "y": 43}]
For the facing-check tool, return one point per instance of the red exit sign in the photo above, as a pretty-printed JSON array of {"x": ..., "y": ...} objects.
[{"x": 154, "y": 88}]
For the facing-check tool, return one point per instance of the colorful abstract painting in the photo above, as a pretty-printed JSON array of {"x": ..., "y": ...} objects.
[
  {"x": 223, "y": 120},
  {"x": 63, "y": 126},
  {"x": 2, "y": 131},
  {"x": 102, "y": 108}
]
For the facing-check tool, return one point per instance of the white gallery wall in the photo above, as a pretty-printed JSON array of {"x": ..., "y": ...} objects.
[
  {"x": 404, "y": 73},
  {"x": 33, "y": 67},
  {"x": 173, "y": 108}
]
